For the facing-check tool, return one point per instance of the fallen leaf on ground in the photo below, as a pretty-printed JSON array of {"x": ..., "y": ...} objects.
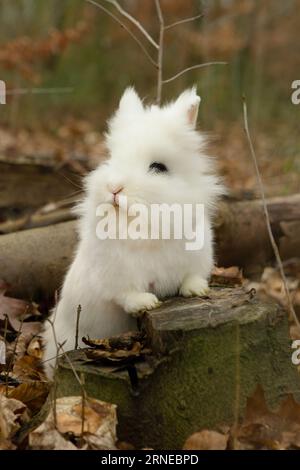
[
  {"x": 13, "y": 413},
  {"x": 5, "y": 444},
  {"x": 33, "y": 394},
  {"x": 261, "y": 428},
  {"x": 206, "y": 440},
  {"x": 27, "y": 369},
  {"x": 34, "y": 349},
  {"x": 266, "y": 429},
  {"x": 271, "y": 285},
  {"x": 229, "y": 277},
  {"x": 98, "y": 423}
]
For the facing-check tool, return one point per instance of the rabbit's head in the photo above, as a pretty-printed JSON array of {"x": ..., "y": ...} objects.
[{"x": 155, "y": 155}]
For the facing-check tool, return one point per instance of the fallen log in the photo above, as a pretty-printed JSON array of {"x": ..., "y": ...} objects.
[
  {"x": 208, "y": 356},
  {"x": 241, "y": 234},
  {"x": 36, "y": 259}
]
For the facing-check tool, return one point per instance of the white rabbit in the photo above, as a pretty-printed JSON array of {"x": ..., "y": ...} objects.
[{"x": 155, "y": 156}]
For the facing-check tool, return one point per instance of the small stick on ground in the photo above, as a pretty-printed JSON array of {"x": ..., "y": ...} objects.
[
  {"x": 77, "y": 326},
  {"x": 54, "y": 390}
]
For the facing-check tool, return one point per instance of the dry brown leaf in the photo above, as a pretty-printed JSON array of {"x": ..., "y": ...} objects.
[
  {"x": 33, "y": 394},
  {"x": 6, "y": 444},
  {"x": 27, "y": 369},
  {"x": 266, "y": 429},
  {"x": 290, "y": 411},
  {"x": 206, "y": 440},
  {"x": 229, "y": 277},
  {"x": 124, "y": 341},
  {"x": 46, "y": 437},
  {"x": 73, "y": 423},
  {"x": 119, "y": 355},
  {"x": 34, "y": 349},
  {"x": 272, "y": 285},
  {"x": 120, "y": 348},
  {"x": 100, "y": 422},
  {"x": 12, "y": 414}
]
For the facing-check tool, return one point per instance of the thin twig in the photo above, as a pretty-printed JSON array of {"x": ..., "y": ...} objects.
[
  {"x": 38, "y": 91},
  {"x": 186, "y": 20},
  {"x": 160, "y": 51},
  {"x": 134, "y": 21},
  {"x": 10, "y": 363},
  {"x": 83, "y": 392},
  {"x": 65, "y": 354},
  {"x": 5, "y": 327},
  {"x": 56, "y": 305},
  {"x": 54, "y": 389},
  {"x": 77, "y": 326},
  {"x": 123, "y": 25},
  {"x": 193, "y": 67},
  {"x": 268, "y": 222}
]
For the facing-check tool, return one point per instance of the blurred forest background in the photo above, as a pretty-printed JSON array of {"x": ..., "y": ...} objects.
[{"x": 76, "y": 49}]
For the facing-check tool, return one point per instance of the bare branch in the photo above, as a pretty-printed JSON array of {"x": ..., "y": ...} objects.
[
  {"x": 134, "y": 37},
  {"x": 134, "y": 21},
  {"x": 186, "y": 20},
  {"x": 193, "y": 67},
  {"x": 268, "y": 222},
  {"x": 160, "y": 51},
  {"x": 39, "y": 91}
]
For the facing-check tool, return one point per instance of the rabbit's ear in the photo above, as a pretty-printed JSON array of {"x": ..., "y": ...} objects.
[
  {"x": 130, "y": 101},
  {"x": 188, "y": 104}
]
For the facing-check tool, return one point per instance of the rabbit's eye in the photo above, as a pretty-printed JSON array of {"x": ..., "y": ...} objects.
[{"x": 158, "y": 167}]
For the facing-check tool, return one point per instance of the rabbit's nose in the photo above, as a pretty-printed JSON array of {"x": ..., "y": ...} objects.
[{"x": 115, "y": 189}]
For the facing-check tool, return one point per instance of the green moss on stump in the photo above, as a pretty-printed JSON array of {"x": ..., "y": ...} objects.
[{"x": 190, "y": 381}]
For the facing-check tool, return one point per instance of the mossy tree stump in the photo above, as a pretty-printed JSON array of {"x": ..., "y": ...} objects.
[{"x": 202, "y": 348}]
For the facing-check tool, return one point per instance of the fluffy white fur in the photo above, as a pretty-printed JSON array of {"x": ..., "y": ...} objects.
[{"x": 112, "y": 279}]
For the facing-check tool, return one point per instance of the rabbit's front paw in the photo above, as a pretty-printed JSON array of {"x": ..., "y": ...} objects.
[
  {"x": 194, "y": 286},
  {"x": 138, "y": 302}
]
